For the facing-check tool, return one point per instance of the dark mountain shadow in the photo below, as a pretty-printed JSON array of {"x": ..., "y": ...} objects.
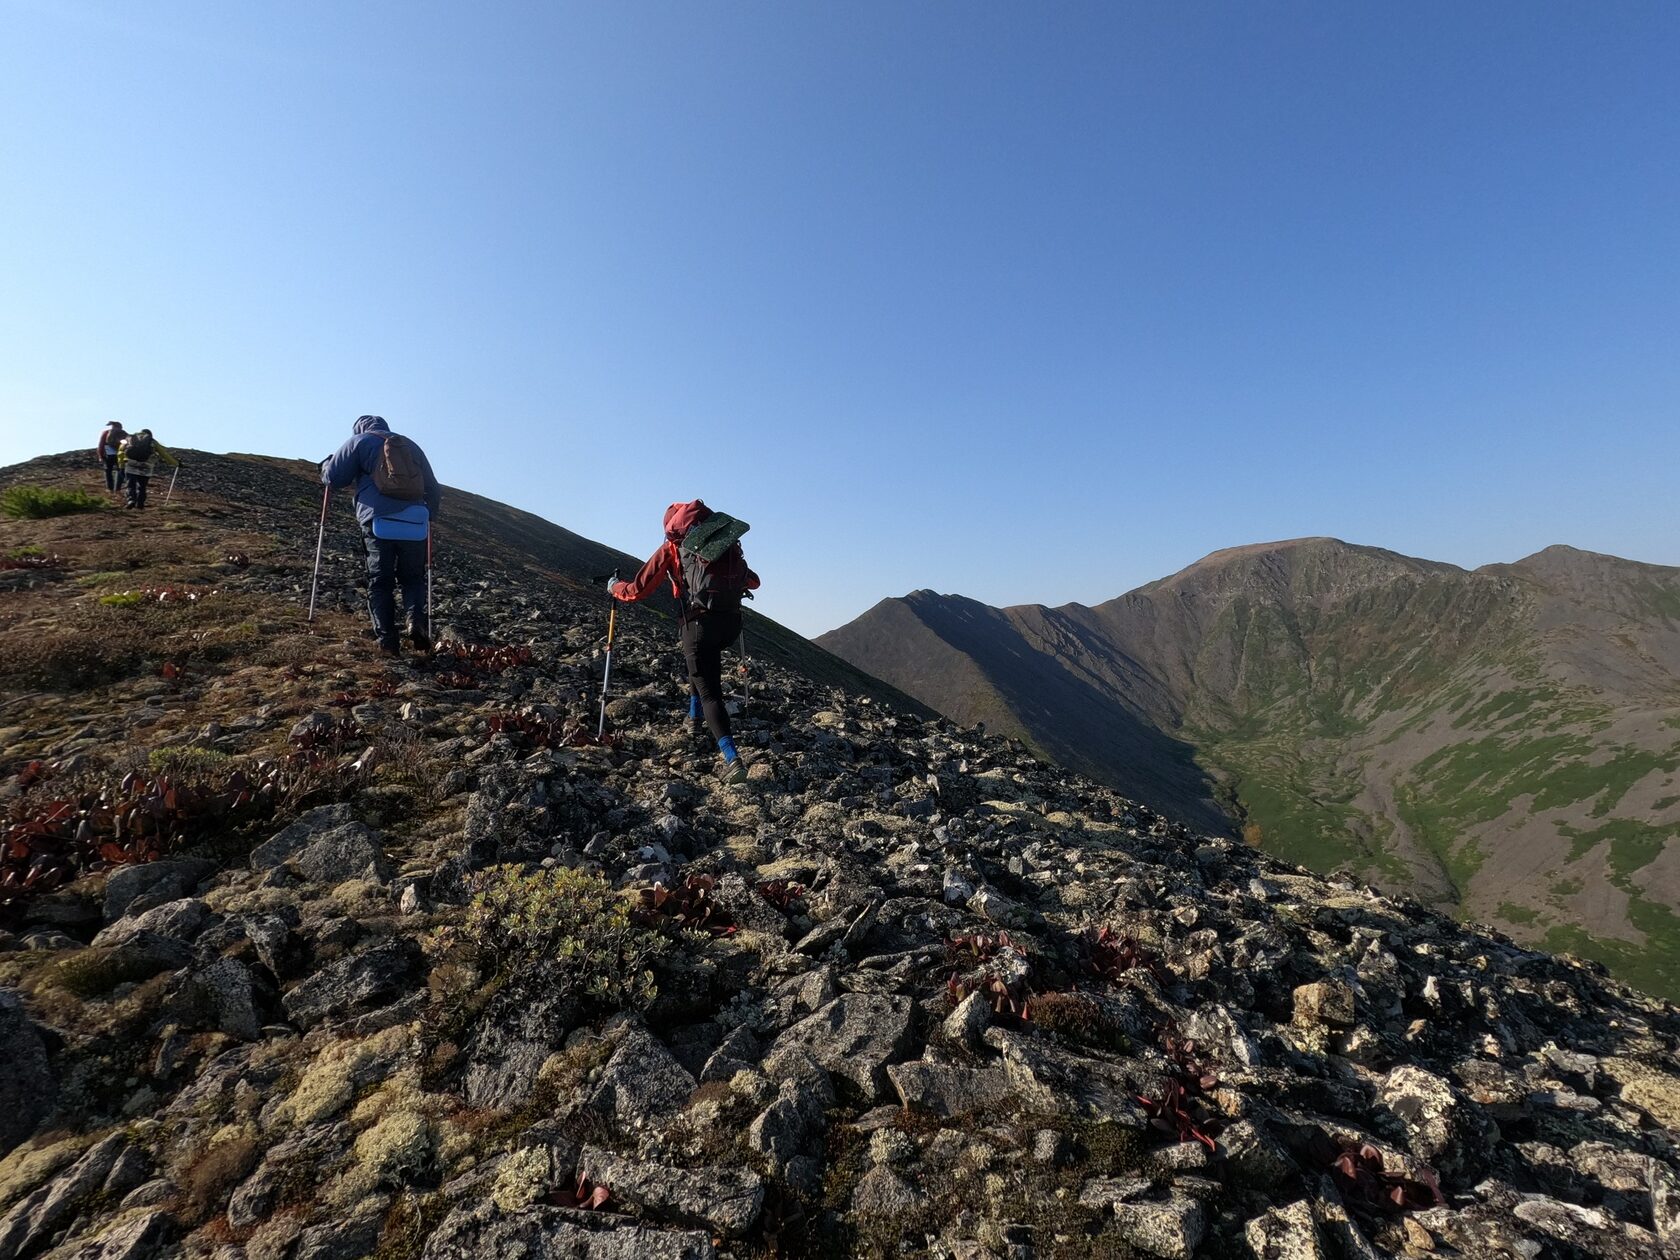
[{"x": 1073, "y": 722}]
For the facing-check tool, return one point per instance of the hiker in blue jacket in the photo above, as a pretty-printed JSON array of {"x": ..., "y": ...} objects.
[{"x": 396, "y": 499}]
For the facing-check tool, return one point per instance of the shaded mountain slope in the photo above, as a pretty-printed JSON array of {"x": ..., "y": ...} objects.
[
  {"x": 1503, "y": 742},
  {"x": 307, "y": 955}
]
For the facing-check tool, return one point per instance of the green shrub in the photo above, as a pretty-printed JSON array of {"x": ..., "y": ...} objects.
[
  {"x": 26, "y": 553},
  {"x": 567, "y": 927},
  {"x": 121, "y": 599},
  {"x": 37, "y": 502}
]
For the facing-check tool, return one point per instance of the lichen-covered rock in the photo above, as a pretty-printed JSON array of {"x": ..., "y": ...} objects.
[
  {"x": 641, "y": 1082},
  {"x": 855, "y": 1037},
  {"x": 484, "y": 1232},
  {"x": 726, "y": 1201},
  {"x": 881, "y": 1192},
  {"x": 360, "y": 982},
  {"x": 511, "y": 1043},
  {"x": 28, "y": 1091},
  {"x": 136, "y": 889},
  {"x": 178, "y": 920},
  {"x": 1285, "y": 1233},
  {"x": 143, "y": 1235},
  {"x": 1172, "y": 1229},
  {"x": 1324, "y": 1003},
  {"x": 788, "y": 1128},
  {"x": 33, "y": 1221},
  {"x": 948, "y": 1089},
  {"x": 309, "y": 827}
]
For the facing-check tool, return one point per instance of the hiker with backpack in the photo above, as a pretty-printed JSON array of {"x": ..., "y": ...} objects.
[
  {"x": 702, "y": 558},
  {"x": 138, "y": 456},
  {"x": 105, "y": 452},
  {"x": 396, "y": 499}
]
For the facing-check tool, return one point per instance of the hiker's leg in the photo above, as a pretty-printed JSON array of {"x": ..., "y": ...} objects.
[
  {"x": 411, "y": 576},
  {"x": 111, "y": 472},
  {"x": 382, "y": 582},
  {"x": 704, "y": 659},
  {"x": 137, "y": 490}
]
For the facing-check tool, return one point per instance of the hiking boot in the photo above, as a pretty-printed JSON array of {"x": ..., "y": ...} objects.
[
  {"x": 390, "y": 647},
  {"x": 421, "y": 641},
  {"x": 733, "y": 772}
]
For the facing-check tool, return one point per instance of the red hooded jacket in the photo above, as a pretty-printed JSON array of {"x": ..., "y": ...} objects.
[{"x": 667, "y": 561}]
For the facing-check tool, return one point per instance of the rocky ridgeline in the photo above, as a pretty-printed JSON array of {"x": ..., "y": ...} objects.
[{"x": 906, "y": 991}]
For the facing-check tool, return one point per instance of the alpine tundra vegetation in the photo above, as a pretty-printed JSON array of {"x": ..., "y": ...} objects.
[{"x": 310, "y": 954}]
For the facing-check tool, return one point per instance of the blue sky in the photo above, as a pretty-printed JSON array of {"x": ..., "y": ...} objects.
[{"x": 1030, "y": 302}]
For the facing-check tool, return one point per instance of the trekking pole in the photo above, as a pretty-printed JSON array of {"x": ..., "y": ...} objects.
[
  {"x": 746, "y": 669},
  {"x": 606, "y": 675},
  {"x": 320, "y": 541},
  {"x": 430, "y": 615},
  {"x": 171, "y": 493}
]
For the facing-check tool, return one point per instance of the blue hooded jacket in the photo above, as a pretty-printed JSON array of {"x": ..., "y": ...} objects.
[{"x": 355, "y": 462}]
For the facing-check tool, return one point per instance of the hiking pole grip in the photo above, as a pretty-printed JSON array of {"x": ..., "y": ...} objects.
[{"x": 320, "y": 541}]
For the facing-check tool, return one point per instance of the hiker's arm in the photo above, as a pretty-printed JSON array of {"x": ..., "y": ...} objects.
[
  {"x": 342, "y": 467},
  {"x": 646, "y": 580}
]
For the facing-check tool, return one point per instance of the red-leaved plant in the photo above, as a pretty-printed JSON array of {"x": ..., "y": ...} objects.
[
  {"x": 1361, "y": 1177},
  {"x": 688, "y": 907},
  {"x": 1108, "y": 956}
]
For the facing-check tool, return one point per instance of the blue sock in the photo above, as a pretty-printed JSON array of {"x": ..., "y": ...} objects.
[
  {"x": 726, "y": 746},
  {"x": 694, "y": 708}
]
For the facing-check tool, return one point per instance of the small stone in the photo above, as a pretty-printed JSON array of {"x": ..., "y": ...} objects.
[
  {"x": 882, "y": 1192},
  {"x": 1172, "y": 1229},
  {"x": 1325, "y": 1003},
  {"x": 1286, "y": 1233}
]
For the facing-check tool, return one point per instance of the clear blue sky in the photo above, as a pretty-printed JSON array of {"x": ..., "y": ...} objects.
[{"x": 1031, "y": 302}]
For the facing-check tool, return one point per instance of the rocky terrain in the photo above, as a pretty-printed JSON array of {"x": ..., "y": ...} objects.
[
  {"x": 309, "y": 956},
  {"x": 1501, "y": 743}
]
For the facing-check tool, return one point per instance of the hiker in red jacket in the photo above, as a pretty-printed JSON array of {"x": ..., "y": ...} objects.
[{"x": 709, "y": 597}]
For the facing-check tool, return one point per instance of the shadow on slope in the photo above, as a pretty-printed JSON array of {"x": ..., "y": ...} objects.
[{"x": 1072, "y": 720}]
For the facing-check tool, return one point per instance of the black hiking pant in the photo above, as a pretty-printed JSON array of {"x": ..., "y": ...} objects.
[
  {"x": 392, "y": 563},
  {"x": 704, "y": 638},
  {"x": 114, "y": 476},
  {"x": 137, "y": 490}
]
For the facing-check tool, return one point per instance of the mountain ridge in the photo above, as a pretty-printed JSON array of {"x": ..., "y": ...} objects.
[{"x": 1351, "y": 706}]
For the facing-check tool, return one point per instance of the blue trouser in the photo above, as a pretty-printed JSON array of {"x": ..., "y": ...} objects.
[{"x": 392, "y": 564}]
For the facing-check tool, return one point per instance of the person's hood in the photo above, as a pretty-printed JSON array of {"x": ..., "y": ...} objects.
[
  {"x": 682, "y": 517},
  {"x": 370, "y": 424}
]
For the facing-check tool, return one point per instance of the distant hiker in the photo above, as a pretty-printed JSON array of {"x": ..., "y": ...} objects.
[
  {"x": 105, "y": 452},
  {"x": 396, "y": 499},
  {"x": 708, "y": 572},
  {"x": 138, "y": 456}
]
